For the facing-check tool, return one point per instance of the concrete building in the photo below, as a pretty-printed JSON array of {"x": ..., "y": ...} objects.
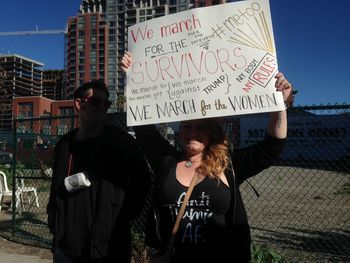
[
  {"x": 55, "y": 116},
  {"x": 21, "y": 76},
  {"x": 53, "y": 84}
]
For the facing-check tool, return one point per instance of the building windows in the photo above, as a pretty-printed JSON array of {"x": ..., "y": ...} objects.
[
  {"x": 25, "y": 109},
  {"x": 66, "y": 111},
  {"x": 92, "y": 54},
  {"x": 111, "y": 9},
  {"x": 111, "y": 67}
]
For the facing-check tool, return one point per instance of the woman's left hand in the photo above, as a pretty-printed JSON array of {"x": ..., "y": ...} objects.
[{"x": 282, "y": 84}]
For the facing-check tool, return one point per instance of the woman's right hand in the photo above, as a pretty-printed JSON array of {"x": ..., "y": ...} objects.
[{"x": 126, "y": 61}]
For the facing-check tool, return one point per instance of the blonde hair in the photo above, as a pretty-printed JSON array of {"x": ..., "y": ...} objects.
[{"x": 215, "y": 156}]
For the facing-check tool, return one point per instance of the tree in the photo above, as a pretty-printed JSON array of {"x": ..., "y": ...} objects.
[{"x": 121, "y": 103}]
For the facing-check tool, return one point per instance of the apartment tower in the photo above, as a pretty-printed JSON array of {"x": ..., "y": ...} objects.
[
  {"x": 86, "y": 46},
  {"x": 20, "y": 77}
]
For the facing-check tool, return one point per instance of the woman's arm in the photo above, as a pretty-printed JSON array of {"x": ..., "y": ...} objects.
[
  {"x": 153, "y": 144},
  {"x": 278, "y": 120},
  {"x": 251, "y": 160}
]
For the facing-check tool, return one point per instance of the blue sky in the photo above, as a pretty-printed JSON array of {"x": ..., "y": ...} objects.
[{"x": 312, "y": 39}]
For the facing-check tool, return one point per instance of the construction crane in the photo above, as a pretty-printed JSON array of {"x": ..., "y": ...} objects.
[{"x": 32, "y": 32}]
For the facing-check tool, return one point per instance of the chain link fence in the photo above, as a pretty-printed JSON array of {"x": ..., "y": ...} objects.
[{"x": 302, "y": 211}]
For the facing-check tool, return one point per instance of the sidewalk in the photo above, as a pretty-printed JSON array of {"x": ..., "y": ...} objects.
[{"x": 16, "y": 258}]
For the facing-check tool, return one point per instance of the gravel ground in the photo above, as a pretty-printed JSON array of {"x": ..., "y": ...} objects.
[
  {"x": 300, "y": 214},
  {"x": 9, "y": 247}
]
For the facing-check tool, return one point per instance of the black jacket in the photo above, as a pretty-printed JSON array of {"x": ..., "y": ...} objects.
[
  {"x": 120, "y": 179},
  {"x": 247, "y": 162}
]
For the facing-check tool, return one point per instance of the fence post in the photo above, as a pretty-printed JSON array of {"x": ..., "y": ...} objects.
[{"x": 13, "y": 175}]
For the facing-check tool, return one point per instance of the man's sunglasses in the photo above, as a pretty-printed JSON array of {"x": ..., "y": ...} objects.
[{"x": 97, "y": 101}]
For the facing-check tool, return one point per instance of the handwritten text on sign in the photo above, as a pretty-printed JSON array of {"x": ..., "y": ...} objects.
[{"x": 205, "y": 62}]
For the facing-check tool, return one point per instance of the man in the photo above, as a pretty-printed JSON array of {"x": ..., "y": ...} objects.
[{"x": 89, "y": 212}]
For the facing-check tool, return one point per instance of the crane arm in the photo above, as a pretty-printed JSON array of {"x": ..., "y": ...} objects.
[{"x": 33, "y": 32}]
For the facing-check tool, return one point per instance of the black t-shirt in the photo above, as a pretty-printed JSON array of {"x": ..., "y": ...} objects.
[{"x": 202, "y": 231}]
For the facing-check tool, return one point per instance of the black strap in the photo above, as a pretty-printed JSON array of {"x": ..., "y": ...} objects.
[
  {"x": 231, "y": 179},
  {"x": 255, "y": 191}
]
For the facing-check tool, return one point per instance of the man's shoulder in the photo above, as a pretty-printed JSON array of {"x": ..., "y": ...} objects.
[
  {"x": 66, "y": 137},
  {"x": 117, "y": 133}
]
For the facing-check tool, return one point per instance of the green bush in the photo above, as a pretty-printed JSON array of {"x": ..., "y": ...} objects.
[{"x": 262, "y": 254}]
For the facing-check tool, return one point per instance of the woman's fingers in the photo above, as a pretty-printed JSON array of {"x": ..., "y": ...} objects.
[{"x": 125, "y": 61}]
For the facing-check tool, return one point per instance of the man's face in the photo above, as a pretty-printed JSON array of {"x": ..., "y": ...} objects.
[{"x": 92, "y": 108}]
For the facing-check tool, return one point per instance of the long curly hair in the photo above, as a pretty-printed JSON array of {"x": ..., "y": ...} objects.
[{"x": 215, "y": 156}]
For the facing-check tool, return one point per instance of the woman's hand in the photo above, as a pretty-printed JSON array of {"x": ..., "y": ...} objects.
[
  {"x": 282, "y": 84},
  {"x": 126, "y": 61}
]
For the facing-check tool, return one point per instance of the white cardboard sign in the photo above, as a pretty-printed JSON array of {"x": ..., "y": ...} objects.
[{"x": 204, "y": 62}]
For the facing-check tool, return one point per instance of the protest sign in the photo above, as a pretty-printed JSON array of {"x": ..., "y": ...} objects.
[{"x": 204, "y": 62}]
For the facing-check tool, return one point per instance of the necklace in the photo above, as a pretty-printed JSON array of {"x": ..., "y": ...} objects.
[{"x": 189, "y": 163}]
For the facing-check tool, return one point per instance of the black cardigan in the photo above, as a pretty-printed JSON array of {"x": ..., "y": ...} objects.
[{"x": 247, "y": 162}]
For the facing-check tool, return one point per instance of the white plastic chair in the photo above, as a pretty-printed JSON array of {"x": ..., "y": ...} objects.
[
  {"x": 4, "y": 191},
  {"x": 21, "y": 191},
  {"x": 26, "y": 190}
]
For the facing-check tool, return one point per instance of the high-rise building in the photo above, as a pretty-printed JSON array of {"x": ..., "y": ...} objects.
[
  {"x": 21, "y": 77},
  {"x": 120, "y": 14},
  {"x": 115, "y": 16},
  {"x": 86, "y": 46}
]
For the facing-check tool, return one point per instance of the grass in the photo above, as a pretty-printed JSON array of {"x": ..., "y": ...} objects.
[
  {"x": 262, "y": 254},
  {"x": 345, "y": 189}
]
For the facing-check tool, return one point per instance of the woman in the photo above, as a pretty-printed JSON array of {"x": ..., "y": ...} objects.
[{"x": 214, "y": 227}]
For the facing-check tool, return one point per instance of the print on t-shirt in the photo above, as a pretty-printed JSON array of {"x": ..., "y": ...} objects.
[{"x": 197, "y": 214}]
